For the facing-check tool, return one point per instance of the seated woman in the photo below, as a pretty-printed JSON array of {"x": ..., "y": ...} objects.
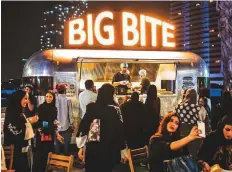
[
  {"x": 217, "y": 146},
  {"x": 167, "y": 144}
]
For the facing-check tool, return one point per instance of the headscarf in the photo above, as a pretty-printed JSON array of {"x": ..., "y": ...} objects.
[
  {"x": 14, "y": 108},
  {"x": 105, "y": 95},
  {"x": 135, "y": 96},
  {"x": 151, "y": 95},
  {"x": 49, "y": 107},
  {"x": 227, "y": 120},
  {"x": 53, "y": 103}
]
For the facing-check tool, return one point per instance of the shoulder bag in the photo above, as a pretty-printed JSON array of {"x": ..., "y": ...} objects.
[
  {"x": 29, "y": 133},
  {"x": 181, "y": 164}
]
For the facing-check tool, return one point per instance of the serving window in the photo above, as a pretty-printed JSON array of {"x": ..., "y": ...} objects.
[{"x": 103, "y": 72}]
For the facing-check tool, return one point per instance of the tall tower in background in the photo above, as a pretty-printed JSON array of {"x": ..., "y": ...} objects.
[
  {"x": 196, "y": 27},
  {"x": 52, "y": 28}
]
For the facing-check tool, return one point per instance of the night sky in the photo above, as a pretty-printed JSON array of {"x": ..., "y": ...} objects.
[{"x": 21, "y": 27}]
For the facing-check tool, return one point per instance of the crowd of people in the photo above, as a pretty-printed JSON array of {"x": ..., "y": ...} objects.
[
  {"x": 36, "y": 131},
  {"x": 110, "y": 127},
  {"x": 168, "y": 137}
]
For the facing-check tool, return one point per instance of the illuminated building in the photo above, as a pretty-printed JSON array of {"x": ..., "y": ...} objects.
[
  {"x": 197, "y": 31},
  {"x": 52, "y": 26}
]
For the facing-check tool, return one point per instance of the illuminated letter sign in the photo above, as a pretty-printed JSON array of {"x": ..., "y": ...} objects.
[
  {"x": 118, "y": 31},
  {"x": 167, "y": 35},
  {"x": 109, "y": 29},
  {"x": 76, "y": 31},
  {"x": 126, "y": 28},
  {"x": 153, "y": 22}
]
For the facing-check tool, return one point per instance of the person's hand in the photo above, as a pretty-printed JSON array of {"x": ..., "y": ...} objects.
[
  {"x": 230, "y": 167},
  {"x": 129, "y": 85},
  {"x": 95, "y": 89},
  {"x": 122, "y": 82},
  {"x": 33, "y": 119},
  {"x": 57, "y": 123},
  {"x": 81, "y": 154},
  {"x": 59, "y": 138},
  {"x": 124, "y": 160},
  {"x": 194, "y": 134},
  {"x": 205, "y": 167}
]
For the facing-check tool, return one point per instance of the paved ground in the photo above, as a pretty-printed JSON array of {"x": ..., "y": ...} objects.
[
  {"x": 77, "y": 170},
  {"x": 120, "y": 168}
]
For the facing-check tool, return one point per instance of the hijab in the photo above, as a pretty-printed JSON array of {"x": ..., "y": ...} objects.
[
  {"x": 14, "y": 108},
  {"x": 227, "y": 120}
]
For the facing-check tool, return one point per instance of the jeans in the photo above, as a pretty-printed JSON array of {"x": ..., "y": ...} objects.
[{"x": 67, "y": 137}]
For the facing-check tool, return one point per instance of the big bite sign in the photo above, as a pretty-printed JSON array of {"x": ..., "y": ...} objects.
[{"x": 124, "y": 30}]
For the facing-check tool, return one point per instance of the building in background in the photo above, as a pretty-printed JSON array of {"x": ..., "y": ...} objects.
[
  {"x": 196, "y": 30},
  {"x": 52, "y": 27}
]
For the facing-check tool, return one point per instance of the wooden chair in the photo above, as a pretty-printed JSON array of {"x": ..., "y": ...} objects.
[
  {"x": 9, "y": 155},
  {"x": 138, "y": 156},
  {"x": 59, "y": 162}
]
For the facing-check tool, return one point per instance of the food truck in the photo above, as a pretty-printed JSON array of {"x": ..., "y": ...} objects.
[
  {"x": 95, "y": 49},
  {"x": 170, "y": 71}
]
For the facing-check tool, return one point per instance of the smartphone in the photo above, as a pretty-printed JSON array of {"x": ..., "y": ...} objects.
[
  {"x": 201, "y": 129},
  {"x": 45, "y": 124}
]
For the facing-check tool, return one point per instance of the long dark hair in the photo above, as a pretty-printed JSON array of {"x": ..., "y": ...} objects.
[
  {"x": 162, "y": 130},
  {"x": 105, "y": 94},
  {"x": 14, "y": 108},
  {"x": 227, "y": 120},
  {"x": 204, "y": 92},
  {"x": 151, "y": 95},
  {"x": 206, "y": 106}
]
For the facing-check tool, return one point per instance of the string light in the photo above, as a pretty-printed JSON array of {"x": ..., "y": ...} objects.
[{"x": 59, "y": 14}]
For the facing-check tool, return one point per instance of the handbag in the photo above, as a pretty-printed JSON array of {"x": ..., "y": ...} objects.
[
  {"x": 94, "y": 131},
  {"x": 92, "y": 136},
  {"x": 29, "y": 133},
  {"x": 81, "y": 141},
  {"x": 181, "y": 164},
  {"x": 46, "y": 138}
]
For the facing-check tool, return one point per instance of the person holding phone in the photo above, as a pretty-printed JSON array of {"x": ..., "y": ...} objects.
[
  {"x": 31, "y": 107},
  {"x": 192, "y": 114},
  {"x": 167, "y": 143},
  {"x": 46, "y": 129}
]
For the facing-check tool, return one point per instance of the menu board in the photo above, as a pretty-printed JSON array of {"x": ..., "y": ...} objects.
[
  {"x": 189, "y": 82},
  {"x": 69, "y": 79}
]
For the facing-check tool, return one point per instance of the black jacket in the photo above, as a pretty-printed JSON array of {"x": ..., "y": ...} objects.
[
  {"x": 133, "y": 113},
  {"x": 213, "y": 150},
  {"x": 14, "y": 130},
  {"x": 111, "y": 128},
  {"x": 159, "y": 150},
  {"x": 46, "y": 113}
]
